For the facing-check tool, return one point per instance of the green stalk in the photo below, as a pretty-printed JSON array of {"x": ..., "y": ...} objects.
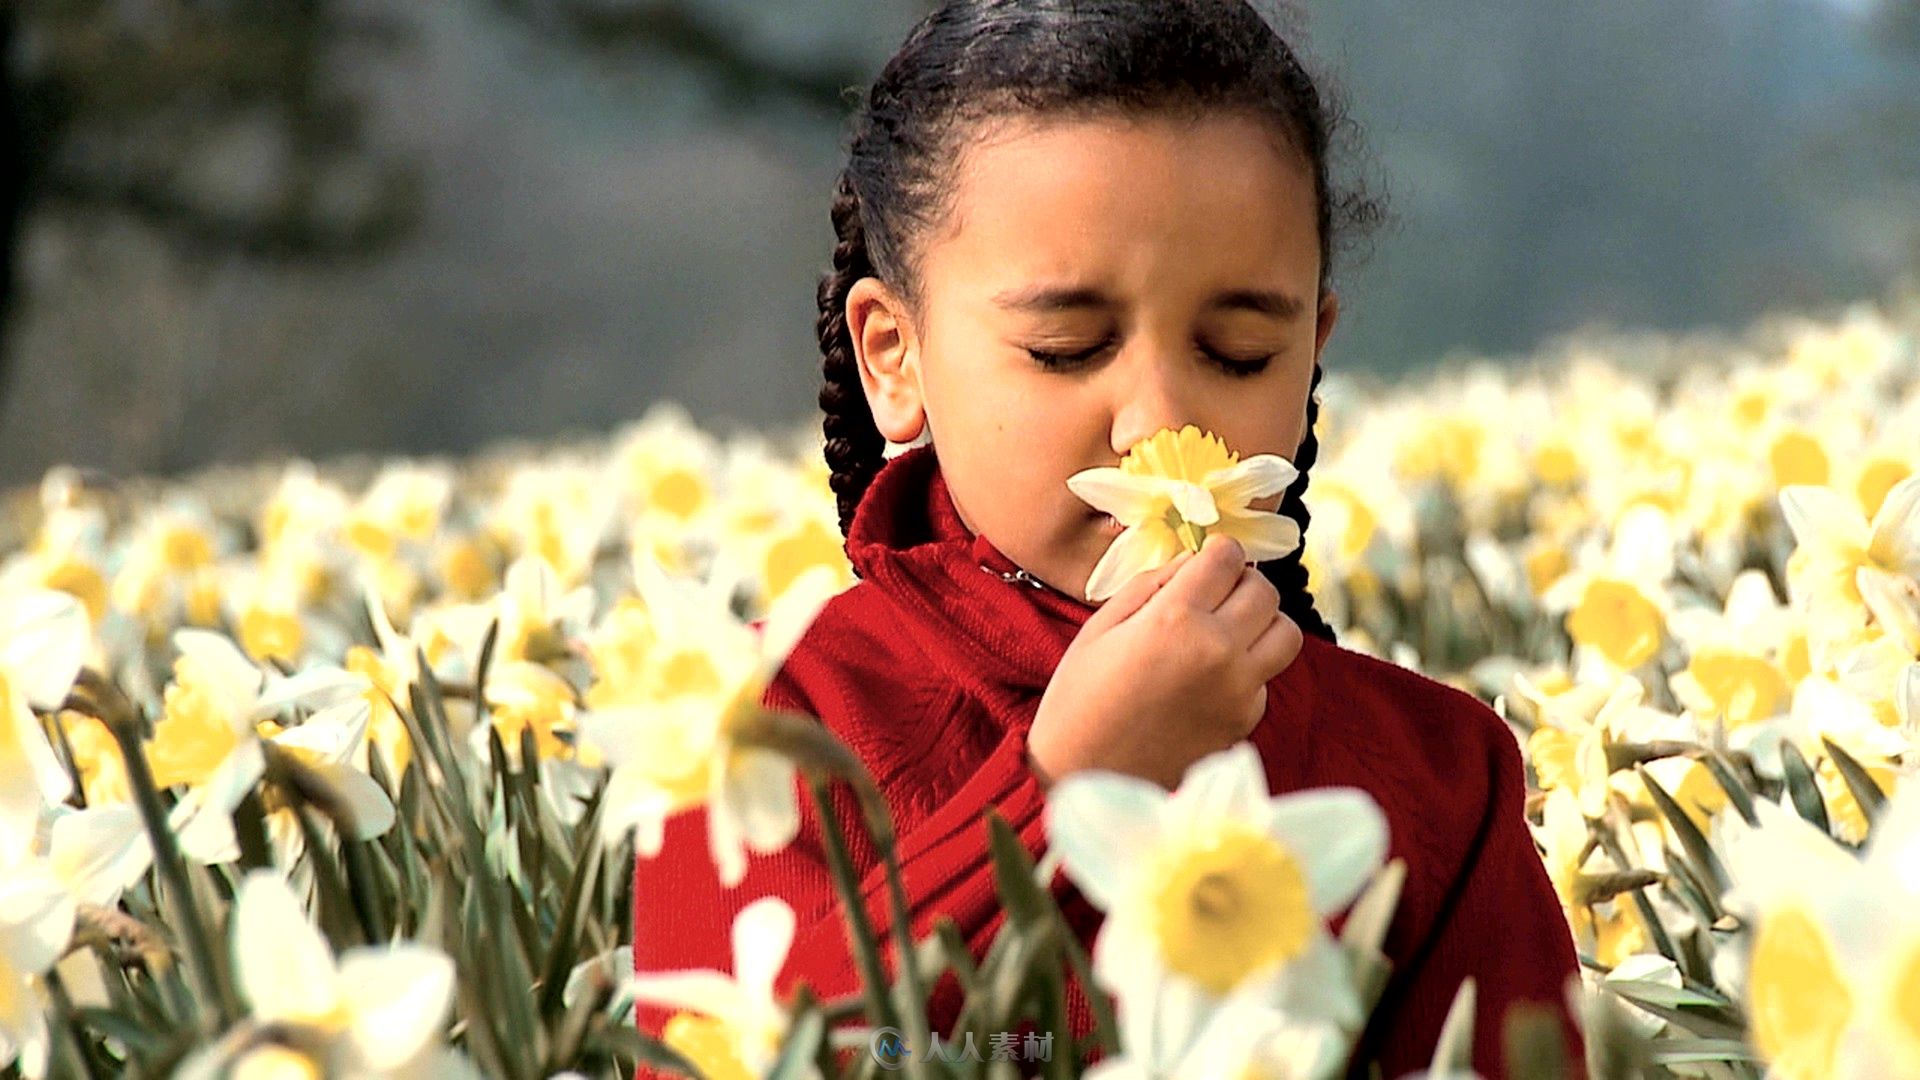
[
  {"x": 202, "y": 966},
  {"x": 872, "y": 973}
]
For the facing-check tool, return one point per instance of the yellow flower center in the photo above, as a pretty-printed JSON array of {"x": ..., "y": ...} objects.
[
  {"x": 1231, "y": 904},
  {"x": 1616, "y": 618},
  {"x": 1556, "y": 464},
  {"x": 1188, "y": 454},
  {"x": 1800, "y": 1002},
  {"x": 185, "y": 549},
  {"x": 81, "y": 581},
  {"x": 466, "y": 570},
  {"x": 1798, "y": 458},
  {"x": 103, "y": 772},
  {"x": 265, "y": 633},
  {"x": 1876, "y": 480},
  {"x": 685, "y": 673},
  {"x": 193, "y": 735},
  {"x": 797, "y": 552},
  {"x": 1743, "y": 687},
  {"x": 708, "y": 1044},
  {"x": 680, "y": 492}
]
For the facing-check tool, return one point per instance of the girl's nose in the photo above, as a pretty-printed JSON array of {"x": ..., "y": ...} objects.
[{"x": 1154, "y": 389}]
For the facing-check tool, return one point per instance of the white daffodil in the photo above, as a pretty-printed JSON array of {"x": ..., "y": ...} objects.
[
  {"x": 1215, "y": 890},
  {"x": 1616, "y": 603},
  {"x": 1834, "y": 969},
  {"x": 379, "y": 1008},
  {"x": 36, "y": 922},
  {"x": 44, "y": 637},
  {"x": 1174, "y": 488},
  {"x": 1247, "y": 1040},
  {"x": 207, "y": 738},
  {"x": 670, "y": 743},
  {"x": 1836, "y": 542},
  {"x": 730, "y": 1025}
]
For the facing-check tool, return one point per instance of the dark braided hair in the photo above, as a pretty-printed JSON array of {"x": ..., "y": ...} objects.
[{"x": 971, "y": 60}]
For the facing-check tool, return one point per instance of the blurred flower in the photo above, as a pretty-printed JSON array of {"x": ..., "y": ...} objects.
[
  {"x": 669, "y": 733},
  {"x": 730, "y": 1026},
  {"x": 1216, "y": 890}
]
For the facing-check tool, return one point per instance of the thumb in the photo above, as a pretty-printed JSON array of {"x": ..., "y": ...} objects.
[{"x": 1137, "y": 591}]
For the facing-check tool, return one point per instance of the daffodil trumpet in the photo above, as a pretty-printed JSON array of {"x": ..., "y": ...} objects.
[{"x": 1175, "y": 488}]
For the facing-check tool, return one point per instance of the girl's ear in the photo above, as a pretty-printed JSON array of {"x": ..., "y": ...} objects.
[
  {"x": 1329, "y": 314},
  {"x": 887, "y": 353}
]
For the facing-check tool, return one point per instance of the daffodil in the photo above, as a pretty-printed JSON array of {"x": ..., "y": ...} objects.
[
  {"x": 1215, "y": 891},
  {"x": 36, "y": 922},
  {"x": 1836, "y": 543},
  {"x": 730, "y": 1026},
  {"x": 44, "y": 637},
  {"x": 1247, "y": 1040},
  {"x": 670, "y": 739},
  {"x": 378, "y": 1009},
  {"x": 1834, "y": 973},
  {"x": 1174, "y": 488},
  {"x": 1616, "y": 603}
]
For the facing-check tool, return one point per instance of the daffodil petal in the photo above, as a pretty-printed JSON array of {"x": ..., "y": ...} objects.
[
  {"x": 100, "y": 852},
  {"x": 398, "y": 995},
  {"x": 36, "y": 918},
  {"x": 762, "y": 934},
  {"x": 280, "y": 960},
  {"x": 44, "y": 635},
  {"x": 1228, "y": 783},
  {"x": 1252, "y": 478},
  {"x": 1340, "y": 836},
  {"x": 1821, "y": 518},
  {"x": 1194, "y": 503},
  {"x": 1130, "y": 499},
  {"x": 1895, "y": 541},
  {"x": 1101, "y": 822},
  {"x": 1264, "y": 536},
  {"x": 760, "y": 793},
  {"x": 1143, "y": 547},
  {"x": 707, "y": 992}
]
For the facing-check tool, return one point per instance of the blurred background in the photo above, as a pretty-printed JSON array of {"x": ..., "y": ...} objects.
[{"x": 240, "y": 229}]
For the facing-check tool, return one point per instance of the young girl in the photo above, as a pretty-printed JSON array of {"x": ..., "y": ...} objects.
[{"x": 1063, "y": 226}]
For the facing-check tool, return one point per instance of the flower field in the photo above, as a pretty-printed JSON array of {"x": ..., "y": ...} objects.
[{"x": 340, "y": 769}]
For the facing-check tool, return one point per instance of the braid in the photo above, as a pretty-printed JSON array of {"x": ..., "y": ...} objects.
[
  {"x": 1288, "y": 573},
  {"x": 855, "y": 448}
]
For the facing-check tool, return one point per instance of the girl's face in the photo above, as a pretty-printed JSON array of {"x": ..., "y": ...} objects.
[{"x": 1095, "y": 281}]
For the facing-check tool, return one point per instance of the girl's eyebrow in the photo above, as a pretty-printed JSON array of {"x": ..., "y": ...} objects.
[{"x": 1051, "y": 298}]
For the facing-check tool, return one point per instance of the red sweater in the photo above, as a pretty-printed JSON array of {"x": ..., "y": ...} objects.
[{"x": 931, "y": 669}]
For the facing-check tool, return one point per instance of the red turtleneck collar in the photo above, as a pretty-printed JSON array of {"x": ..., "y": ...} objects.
[{"x": 973, "y": 611}]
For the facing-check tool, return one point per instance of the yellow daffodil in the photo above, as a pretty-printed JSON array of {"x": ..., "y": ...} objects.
[
  {"x": 1215, "y": 889},
  {"x": 1174, "y": 488}
]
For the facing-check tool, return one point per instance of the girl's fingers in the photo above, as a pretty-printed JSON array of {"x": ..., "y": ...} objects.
[
  {"x": 1211, "y": 576},
  {"x": 1250, "y": 606},
  {"x": 1276, "y": 648},
  {"x": 1138, "y": 590}
]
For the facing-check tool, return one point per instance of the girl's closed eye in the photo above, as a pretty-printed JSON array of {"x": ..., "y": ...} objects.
[{"x": 1060, "y": 359}]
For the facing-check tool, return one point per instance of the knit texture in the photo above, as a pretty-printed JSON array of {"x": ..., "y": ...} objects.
[{"x": 931, "y": 668}]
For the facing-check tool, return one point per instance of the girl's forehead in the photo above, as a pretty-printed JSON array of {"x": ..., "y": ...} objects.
[{"x": 1037, "y": 196}]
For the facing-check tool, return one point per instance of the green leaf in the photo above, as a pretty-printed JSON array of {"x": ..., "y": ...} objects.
[
  {"x": 1695, "y": 844},
  {"x": 1873, "y": 801},
  {"x": 1803, "y": 788}
]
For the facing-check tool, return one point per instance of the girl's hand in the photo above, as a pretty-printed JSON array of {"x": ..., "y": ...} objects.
[{"x": 1171, "y": 668}]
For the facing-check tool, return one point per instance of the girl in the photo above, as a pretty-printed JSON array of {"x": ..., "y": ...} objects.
[{"x": 1063, "y": 226}]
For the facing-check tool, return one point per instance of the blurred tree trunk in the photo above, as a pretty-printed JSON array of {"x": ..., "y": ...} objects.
[{"x": 13, "y": 186}]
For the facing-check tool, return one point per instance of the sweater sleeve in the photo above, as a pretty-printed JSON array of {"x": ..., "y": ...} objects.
[
  {"x": 1502, "y": 925},
  {"x": 683, "y": 915}
]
